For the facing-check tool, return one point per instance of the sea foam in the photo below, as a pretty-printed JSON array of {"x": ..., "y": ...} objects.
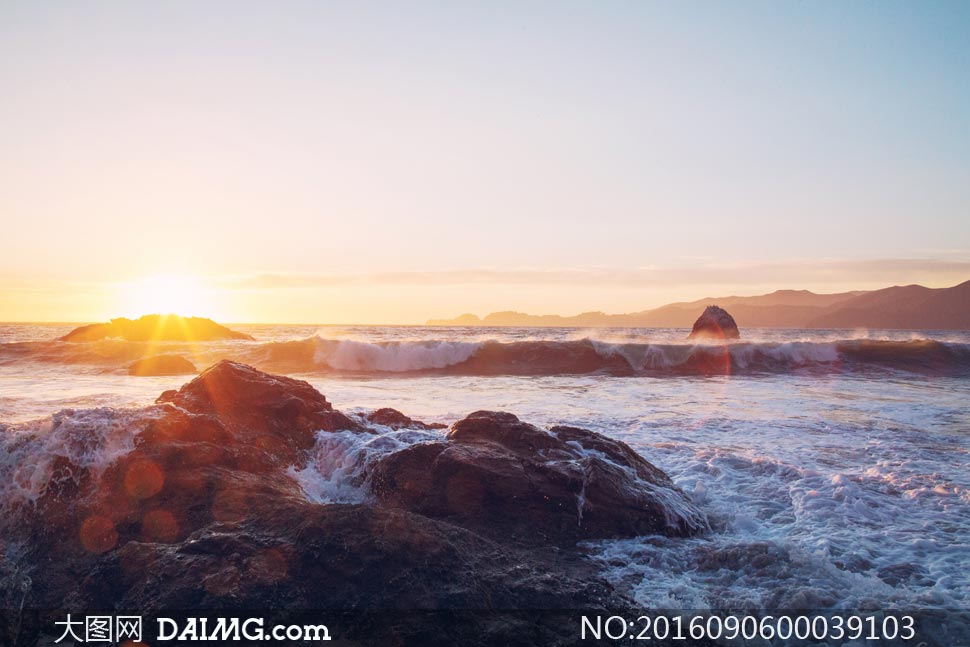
[{"x": 86, "y": 440}]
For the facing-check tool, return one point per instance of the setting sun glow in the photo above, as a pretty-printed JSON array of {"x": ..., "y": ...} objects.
[{"x": 166, "y": 294}]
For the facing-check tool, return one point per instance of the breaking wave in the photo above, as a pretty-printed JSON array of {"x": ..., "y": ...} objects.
[
  {"x": 531, "y": 357},
  {"x": 65, "y": 452},
  {"x": 340, "y": 462}
]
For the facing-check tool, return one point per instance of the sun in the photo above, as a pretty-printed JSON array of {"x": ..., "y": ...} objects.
[{"x": 167, "y": 294}]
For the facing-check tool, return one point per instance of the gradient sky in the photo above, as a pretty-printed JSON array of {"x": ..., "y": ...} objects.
[{"x": 392, "y": 162}]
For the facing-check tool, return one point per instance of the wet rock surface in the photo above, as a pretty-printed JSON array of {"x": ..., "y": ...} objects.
[
  {"x": 507, "y": 478},
  {"x": 198, "y": 509},
  {"x": 277, "y": 414},
  {"x": 715, "y": 323}
]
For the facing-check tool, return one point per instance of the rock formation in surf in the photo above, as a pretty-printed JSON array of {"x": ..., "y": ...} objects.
[
  {"x": 203, "y": 509},
  {"x": 155, "y": 328},
  {"x": 396, "y": 420},
  {"x": 715, "y": 323},
  {"x": 504, "y": 477},
  {"x": 162, "y": 365}
]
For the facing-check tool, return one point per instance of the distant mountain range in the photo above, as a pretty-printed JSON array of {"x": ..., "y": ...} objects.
[{"x": 908, "y": 307}]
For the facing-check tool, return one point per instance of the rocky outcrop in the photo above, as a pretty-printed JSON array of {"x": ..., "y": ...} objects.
[
  {"x": 162, "y": 365},
  {"x": 715, "y": 323},
  {"x": 275, "y": 413},
  {"x": 503, "y": 477},
  {"x": 155, "y": 328},
  {"x": 199, "y": 508}
]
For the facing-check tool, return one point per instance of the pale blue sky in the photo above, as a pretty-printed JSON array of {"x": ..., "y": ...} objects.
[{"x": 341, "y": 148}]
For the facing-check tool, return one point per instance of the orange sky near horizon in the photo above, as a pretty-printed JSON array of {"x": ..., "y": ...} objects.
[{"x": 413, "y": 299}]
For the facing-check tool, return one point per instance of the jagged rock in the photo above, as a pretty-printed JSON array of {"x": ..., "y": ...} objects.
[
  {"x": 715, "y": 323},
  {"x": 155, "y": 328},
  {"x": 162, "y": 365},
  {"x": 279, "y": 411},
  {"x": 504, "y": 477}
]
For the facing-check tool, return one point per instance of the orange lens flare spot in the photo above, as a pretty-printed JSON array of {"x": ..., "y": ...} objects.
[
  {"x": 159, "y": 526},
  {"x": 222, "y": 583},
  {"x": 98, "y": 534},
  {"x": 144, "y": 479},
  {"x": 267, "y": 566}
]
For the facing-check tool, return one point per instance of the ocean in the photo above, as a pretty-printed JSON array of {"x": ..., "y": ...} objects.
[{"x": 832, "y": 464}]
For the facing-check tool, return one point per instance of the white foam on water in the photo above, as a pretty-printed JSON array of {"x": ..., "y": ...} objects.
[
  {"x": 888, "y": 531},
  {"x": 340, "y": 462},
  {"x": 90, "y": 439}
]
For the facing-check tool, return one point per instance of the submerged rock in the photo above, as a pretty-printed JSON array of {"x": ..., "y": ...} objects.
[
  {"x": 394, "y": 419},
  {"x": 155, "y": 328},
  {"x": 504, "y": 477},
  {"x": 194, "y": 503},
  {"x": 162, "y": 365},
  {"x": 715, "y": 323}
]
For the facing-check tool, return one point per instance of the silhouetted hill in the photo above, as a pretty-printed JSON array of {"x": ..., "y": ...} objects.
[
  {"x": 155, "y": 328},
  {"x": 776, "y": 298},
  {"x": 912, "y": 306}
]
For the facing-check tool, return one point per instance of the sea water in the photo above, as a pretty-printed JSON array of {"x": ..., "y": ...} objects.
[{"x": 832, "y": 465}]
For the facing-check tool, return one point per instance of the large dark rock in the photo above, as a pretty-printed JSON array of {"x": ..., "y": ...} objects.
[
  {"x": 343, "y": 557},
  {"x": 156, "y": 328},
  {"x": 198, "y": 508},
  {"x": 280, "y": 413},
  {"x": 715, "y": 323},
  {"x": 504, "y": 477},
  {"x": 162, "y": 365}
]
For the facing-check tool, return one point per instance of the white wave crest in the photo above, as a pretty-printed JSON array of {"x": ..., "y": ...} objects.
[
  {"x": 796, "y": 353},
  {"x": 743, "y": 354},
  {"x": 393, "y": 357}
]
